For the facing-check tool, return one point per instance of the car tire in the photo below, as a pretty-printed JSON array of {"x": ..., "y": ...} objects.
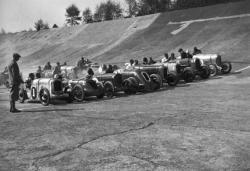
[
  {"x": 44, "y": 96},
  {"x": 130, "y": 86},
  {"x": 109, "y": 89},
  {"x": 78, "y": 93},
  {"x": 213, "y": 70},
  {"x": 188, "y": 75},
  {"x": 172, "y": 79},
  {"x": 226, "y": 67},
  {"x": 204, "y": 72},
  {"x": 157, "y": 80}
]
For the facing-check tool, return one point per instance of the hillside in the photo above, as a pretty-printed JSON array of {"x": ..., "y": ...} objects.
[{"x": 120, "y": 40}]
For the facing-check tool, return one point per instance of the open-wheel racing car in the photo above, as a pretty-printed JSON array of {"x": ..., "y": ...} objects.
[
  {"x": 45, "y": 90},
  {"x": 82, "y": 89},
  {"x": 182, "y": 72},
  {"x": 190, "y": 68},
  {"x": 160, "y": 72},
  {"x": 112, "y": 82},
  {"x": 215, "y": 63},
  {"x": 138, "y": 80}
]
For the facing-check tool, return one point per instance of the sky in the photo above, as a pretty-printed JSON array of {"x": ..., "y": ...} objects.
[{"x": 19, "y": 15}]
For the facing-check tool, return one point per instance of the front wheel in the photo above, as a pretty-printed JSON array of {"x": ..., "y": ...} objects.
[
  {"x": 213, "y": 70},
  {"x": 44, "y": 96},
  {"x": 157, "y": 80},
  {"x": 109, "y": 89},
  {"x": 188, "y": 76},
  {"x": 226, "y": 67},
  {"x": 172, "y": 79},
  {"x": 204, "y": 73},
  {"x": 130, "y": 86},
  {"x": 78, "y": 93}
]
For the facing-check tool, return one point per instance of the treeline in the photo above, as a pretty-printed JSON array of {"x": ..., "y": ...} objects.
[
  {"x": 111, "y": 10},
  {"x": 145, "y": 7}
]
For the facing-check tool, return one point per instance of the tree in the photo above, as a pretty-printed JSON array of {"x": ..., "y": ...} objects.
[
  {"x": 55, "y": 26},
  {"x": 87, "y": 16},
  {"x": 72, "y": 15},
  {"x": 108, "y": 11},
  {"x": 2, "y": 31},
  {"x": 132, "y": 7},
  {"x": 40, "y": 25},
  {"x": 153, "y": 6}
]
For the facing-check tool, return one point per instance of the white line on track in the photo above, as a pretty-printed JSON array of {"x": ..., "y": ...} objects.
[
  {"x": 185, "y": 24},
  {"x": 242, "y": 69}
]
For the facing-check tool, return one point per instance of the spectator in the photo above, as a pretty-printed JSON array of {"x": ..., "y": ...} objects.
[
  {"x": 15, "y": 80},
  {"x": 57, "y": 69},
  {"x": 172, "y": 57},
  {"x": 102, "y": 69},
  {"x": 130, "y": 65},
  {"x": 196, "y": 51},
  {"x": 165, "y": 59},
  {"x": 145, "y": 61},
  {"x": 189, "y": 56},
  {"x": 39, "y": 71},
  {"x": 110, "y": 69},
  {"x": 47, "y": 66},
  {"x": 151, "y": 61},
  {"x": 115, "y": 67},
  {"x": 81, "y": 63},
  {"x": 136, "y": 63}
]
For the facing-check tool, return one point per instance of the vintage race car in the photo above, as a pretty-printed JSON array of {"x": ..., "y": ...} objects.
[
  {"x": 82, "y": 89},
  {"x": 215, "y": 63},
  {"x": 45, "y": 90},
  {"x": 182, "y": 72},
  {"x": 112, "y": 82},
  {"x": 160, "y": 70},
  {"x": 194, "y": 66},
  {"x": 138, "y": 80}
]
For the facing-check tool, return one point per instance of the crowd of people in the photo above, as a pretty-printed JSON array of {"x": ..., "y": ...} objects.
[{"x": 166, "y": 58}]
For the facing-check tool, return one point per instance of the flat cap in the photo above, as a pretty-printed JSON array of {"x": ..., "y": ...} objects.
[{"x": 16, "y": 55}]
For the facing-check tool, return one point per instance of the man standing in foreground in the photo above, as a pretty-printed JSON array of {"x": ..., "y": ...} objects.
[{"x": 15, "y": 81}]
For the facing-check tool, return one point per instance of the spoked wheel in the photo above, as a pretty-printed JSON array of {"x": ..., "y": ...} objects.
[
  {"x": 204, "y": 73},
  {"x": 78, "y": 93},
  {"x": 109, "y": 89},
  {"x": 44, "y": 96},
  {"x": 213, "y": 70},
  {"x": 226, "y": 67}
]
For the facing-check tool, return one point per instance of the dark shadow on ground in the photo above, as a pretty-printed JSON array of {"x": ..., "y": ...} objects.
[{"x": 52, "y": 110}]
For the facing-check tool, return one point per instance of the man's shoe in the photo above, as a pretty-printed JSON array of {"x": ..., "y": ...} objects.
[{"x": 16, "y": 111}]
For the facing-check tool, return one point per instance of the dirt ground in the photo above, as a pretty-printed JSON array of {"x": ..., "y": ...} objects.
[{"x": 203, "y": 125}]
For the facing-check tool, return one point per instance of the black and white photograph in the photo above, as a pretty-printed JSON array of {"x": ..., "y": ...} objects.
[{"x": 124, "y": 85}]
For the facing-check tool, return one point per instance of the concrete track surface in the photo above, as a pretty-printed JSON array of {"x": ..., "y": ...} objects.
[{"x": 204, "y": 125}]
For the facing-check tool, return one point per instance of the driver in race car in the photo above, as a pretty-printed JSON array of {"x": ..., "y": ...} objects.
[
  {"x": 182, "y": 53},
  {"x": 89, "y": 78}
]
